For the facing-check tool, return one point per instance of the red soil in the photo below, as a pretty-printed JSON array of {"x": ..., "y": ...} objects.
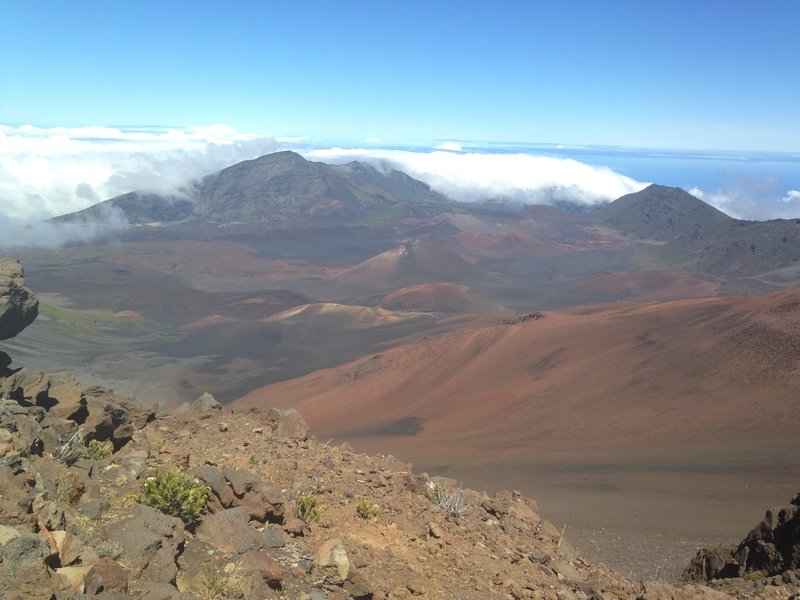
[
  {"x": 644, "y": 286},
  {"x": 410, "y": 264},
  {"x": 440, "y": 297},
  {"x": 128, "y": 314},
  {"x": 205, "y": 322},
  {"x": 502, "y": 244},
  {"x": 607, "y": 376}
]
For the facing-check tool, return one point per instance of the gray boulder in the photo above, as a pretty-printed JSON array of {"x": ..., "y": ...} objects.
[
  {"x": 24, "y": 574},
  {"x": 230, "y": 531},
  {"x": 201, "y": 407},
  {"x": 222, "y": 493},
  {"x": 331, "y": 563},
  {"x": 287, "y": 423},
  {"x": 149, "y": 541}
]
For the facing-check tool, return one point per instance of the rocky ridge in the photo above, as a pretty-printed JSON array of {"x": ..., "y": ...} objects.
[
  {"x": 771, "y": 550},
  {"x": 18, "y": 307}
]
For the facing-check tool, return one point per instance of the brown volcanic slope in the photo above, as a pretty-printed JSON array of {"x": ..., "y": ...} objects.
[
  {"x": 340, "y": 317},
  {"x": 502, "y": 244},
  {"x": 662, "y": 425},
  {"x": 606, "y": 376},
  {"x": 413, "y": 263},
  {"x": 648, "y": 285},
  {"x": 448, "y": 298},
  {"x": 244, "y": 353}
]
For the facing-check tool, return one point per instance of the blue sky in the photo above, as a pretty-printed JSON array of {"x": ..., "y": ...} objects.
[
  {"x": 99, "y": 97},
  {"x": 678, "y": 74}
]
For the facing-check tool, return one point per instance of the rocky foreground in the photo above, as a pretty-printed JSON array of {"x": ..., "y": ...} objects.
[
  {"x": 285, "y": 515},
  {"x": 264, "y": 510}
]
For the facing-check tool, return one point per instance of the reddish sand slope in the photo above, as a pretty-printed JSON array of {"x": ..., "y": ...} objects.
[
  {"x": 610, "y": 377},
  {"x": 643, "y": 286},
  {"x": 448, "y": 298},
  {"x": 205, "y": 322},
  {"x": 411, "y": 264},
  {"x": 345, "y": 317},
  {"x": 502, "y": 244}
]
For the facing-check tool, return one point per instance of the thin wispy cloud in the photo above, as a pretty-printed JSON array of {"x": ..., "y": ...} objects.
[{"x": 16, "y": 234}]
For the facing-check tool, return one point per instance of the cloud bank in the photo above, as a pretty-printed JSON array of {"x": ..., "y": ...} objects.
[
  {"x": 46, "y": 172},
  {"x": 16, "y": 234},
  {"x": 473, "y": 176},
  {"x": 534, "y": 178}
]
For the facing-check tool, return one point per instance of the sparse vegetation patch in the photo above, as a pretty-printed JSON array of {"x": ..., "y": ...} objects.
[
  {"x": 176, "y": 494},
  {"x": 309, "y": 509},
  {"x": 98, "y": 450},
  {"x": 367, "y": 511}
]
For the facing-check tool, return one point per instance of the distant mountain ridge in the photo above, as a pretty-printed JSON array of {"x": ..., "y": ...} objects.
[
  {"x": 666, "y": 214},
  {"x": 701, "y": 238},
  {"x": 283, "y": 190},
  {"x": 279, "y": 188}
]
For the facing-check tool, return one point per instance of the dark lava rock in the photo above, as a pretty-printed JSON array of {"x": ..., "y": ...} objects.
[{"x": 772, "y": 548}]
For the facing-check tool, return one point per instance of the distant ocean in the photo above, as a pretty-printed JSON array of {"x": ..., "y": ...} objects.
[
  {"x": 709, "y": 173},
  {"x": 712, "y": 171}
]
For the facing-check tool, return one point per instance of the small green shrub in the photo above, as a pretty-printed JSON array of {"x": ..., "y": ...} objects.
[
  {"x": 213, "y": 590},
  {"x": 98, "y": 450},
  {"x": 367, "y": 511},
  {"x": 436, "y": 493},
  {"x": 309, "y": 509},
  {"x": 176, "y": 494}
]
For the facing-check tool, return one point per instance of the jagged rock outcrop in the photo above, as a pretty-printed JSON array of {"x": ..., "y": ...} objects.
[
  {"x": 18, "y": 306},
  {"x": 772, "y": 548}
]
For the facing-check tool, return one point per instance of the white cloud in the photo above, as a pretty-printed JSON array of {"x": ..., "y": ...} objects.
[
  {"x": 50, "y": 171},
  {"x": 45, "y": 172},
  {"x": 44, "y": 234},
  {"x": 452, "y": 146},
  {"x": 479, "y": 176},
  {"x": 696, "y": 192},
  {"x": 757, "y": 201},
  {"x": 791, "y": 196}
]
